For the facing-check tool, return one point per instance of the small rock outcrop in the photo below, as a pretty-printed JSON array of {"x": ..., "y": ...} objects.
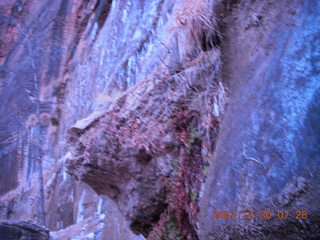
[
  {"x": 10, "y": 230},
  {"x": 149, "y": 152}
]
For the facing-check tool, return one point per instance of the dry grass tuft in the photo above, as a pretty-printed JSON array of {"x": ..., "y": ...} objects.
[
  {"x": 194, "y": 10},
  {"x": 199, "y": 23}
]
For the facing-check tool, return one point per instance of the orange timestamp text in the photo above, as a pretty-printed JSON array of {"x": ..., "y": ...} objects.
[{"x": 265, "y": 214}]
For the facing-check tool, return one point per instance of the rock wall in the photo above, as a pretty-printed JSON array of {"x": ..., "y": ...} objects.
[
  {"x": 137, "y": 119},
  {"x": 267, "y": 152}
]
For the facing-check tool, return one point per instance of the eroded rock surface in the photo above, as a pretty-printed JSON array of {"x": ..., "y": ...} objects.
[{"x": 150, "y": 150}]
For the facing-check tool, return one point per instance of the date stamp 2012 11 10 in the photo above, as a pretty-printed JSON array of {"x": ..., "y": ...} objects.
[{"x": 264, "y": 214}]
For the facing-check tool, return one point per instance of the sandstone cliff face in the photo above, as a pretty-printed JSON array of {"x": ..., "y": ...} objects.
[{"x": 137, "y": 119}]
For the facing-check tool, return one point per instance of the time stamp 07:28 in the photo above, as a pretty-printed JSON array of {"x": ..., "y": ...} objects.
[{"x": 248, "y": 214}]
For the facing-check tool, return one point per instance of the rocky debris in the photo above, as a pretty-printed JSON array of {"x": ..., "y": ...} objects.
[{"x": 10, "y": 230}]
